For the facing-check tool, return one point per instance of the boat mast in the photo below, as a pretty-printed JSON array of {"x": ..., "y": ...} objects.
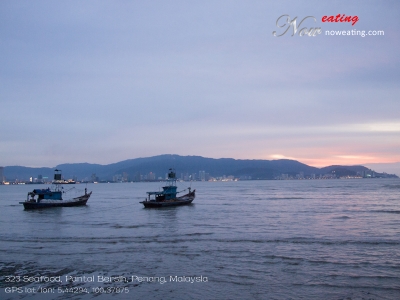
[{"x": 171, "y": 177}]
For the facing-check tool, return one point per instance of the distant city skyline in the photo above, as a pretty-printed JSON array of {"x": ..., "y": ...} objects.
[
  {"x": 102, "y": 82},
  {"x": 390, "y": 168},
  {"x": 189, "y": 168}
]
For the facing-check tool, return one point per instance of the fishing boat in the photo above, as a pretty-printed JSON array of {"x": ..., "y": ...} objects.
[
  {"x": 44, "y": 198},
  {"x": 168, "y": 196}
]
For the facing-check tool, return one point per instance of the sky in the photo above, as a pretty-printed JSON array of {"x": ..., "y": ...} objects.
[{"x": 105, "y": 81}]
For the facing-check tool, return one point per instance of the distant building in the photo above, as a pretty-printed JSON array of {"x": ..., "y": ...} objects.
[
  {"x": 151, "y": 176},
  {"x": 2, "y": 175},
  {"x": 202, "y": 175},
  {"x": 94, "y": 178},
  {"x": 125, "y": 177},
  {"x": 117, "y": 178},
  {"x": 137, "y": 177}
]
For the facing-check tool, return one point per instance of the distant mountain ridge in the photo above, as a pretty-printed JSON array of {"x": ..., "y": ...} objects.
[{"x": 159, "y": 165}]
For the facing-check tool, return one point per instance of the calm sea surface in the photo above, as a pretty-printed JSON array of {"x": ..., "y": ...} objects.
[{"x": 315, "y": 239}]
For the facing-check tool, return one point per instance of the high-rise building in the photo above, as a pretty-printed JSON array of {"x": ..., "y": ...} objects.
[
  {"x": 137, "y": 177},
  {"x": 202, "y": 175},
  {"x": 125, "y": 177},
  {"x": 94, "y": 178},
  {"x": 2, "y": 175}
]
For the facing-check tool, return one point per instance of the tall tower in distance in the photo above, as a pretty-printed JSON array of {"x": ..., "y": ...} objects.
[
  {"x": 2, "y": 175},
  {"x": 202, "y": 175}
]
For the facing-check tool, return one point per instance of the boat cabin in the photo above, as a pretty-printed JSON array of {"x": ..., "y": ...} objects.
[
  {"x": 169, "y": 191},
  {"x": 44, "y": 194}
]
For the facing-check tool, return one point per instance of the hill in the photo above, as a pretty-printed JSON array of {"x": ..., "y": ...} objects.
[{"x": 135, "y": 169}]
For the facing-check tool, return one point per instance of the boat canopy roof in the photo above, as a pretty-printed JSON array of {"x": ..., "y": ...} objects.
[
  {"x": 155, "y": 193},
  {"x": 41, "y": 191},
  {"x": 167, "y": 190}
]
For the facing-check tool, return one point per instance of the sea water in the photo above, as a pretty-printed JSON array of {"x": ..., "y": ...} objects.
[{"x": 295, "y": 239}]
